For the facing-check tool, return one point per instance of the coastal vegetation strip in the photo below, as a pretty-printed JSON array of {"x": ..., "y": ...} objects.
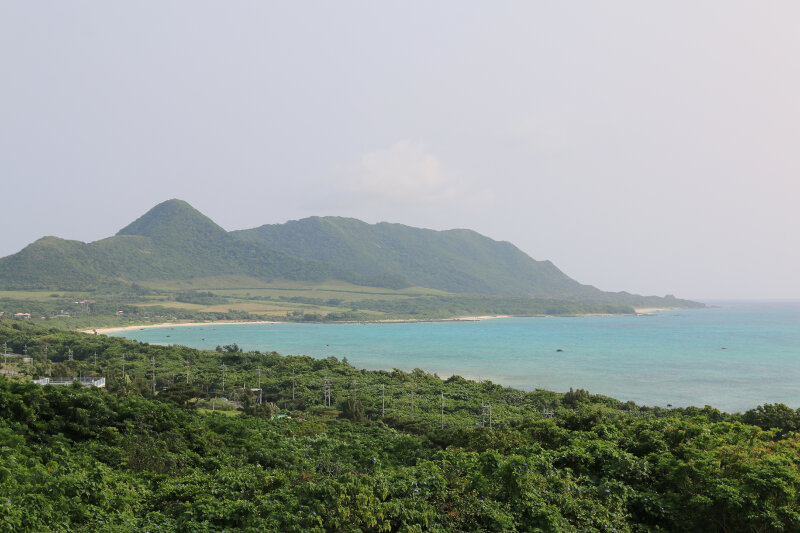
[{"x": 142, "y": 305}]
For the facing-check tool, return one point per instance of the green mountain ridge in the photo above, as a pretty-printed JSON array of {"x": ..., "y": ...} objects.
[
  {"x": 458, "y": 260},
  {"x": 51, "y": 262},
  {"x": 171, "y": 241},
  {"x": 174, "y": 241}
]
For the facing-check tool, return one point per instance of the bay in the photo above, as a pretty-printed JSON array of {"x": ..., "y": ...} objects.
[{"x": 733, "y": 357}]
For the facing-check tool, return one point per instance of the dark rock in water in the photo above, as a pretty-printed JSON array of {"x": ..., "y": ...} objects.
[
  {"x": 723, "y": 348},
  {"x": 559, "y": 350}
]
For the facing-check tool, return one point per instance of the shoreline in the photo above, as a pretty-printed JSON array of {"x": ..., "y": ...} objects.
[
  {"x": 454, "y": 319},
  {"x": 643, "y": 311},
  {"x": 650, "y": 310},
  {"x": 103, "y": 331}
]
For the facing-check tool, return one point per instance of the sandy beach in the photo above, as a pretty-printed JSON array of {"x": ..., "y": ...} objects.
[
  {"x": 103, "y": 331},
  {"x": 649, "y": 310},
  {"x": 453, "y": 319}
]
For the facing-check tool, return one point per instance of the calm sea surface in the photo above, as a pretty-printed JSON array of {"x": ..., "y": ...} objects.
[{"x": 733, "y": 357}]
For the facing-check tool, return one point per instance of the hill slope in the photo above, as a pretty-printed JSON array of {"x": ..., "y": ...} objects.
[
  {"x": 459, "y": 260},
  {"x": 51, "y": 262},
  {"x": 174, "y": 241},
  {"x": 171, "y": 241}
]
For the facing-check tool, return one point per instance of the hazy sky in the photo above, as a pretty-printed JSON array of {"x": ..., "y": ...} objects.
[{"x": 641, "y": 146}]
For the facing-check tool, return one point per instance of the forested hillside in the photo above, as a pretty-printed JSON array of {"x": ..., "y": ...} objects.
[
  {"x": 174, "y": 244},
  {"x": 455, "y": 260},
  {"x": 126, "y": 459},
  {"x": 172, "y": 241},
  {"x": 458, "y": 261}
]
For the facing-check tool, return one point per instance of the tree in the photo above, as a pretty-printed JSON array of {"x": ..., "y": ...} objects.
[
  {"x": 353, "y": 410},
  {"x": 180, "y": 394}
]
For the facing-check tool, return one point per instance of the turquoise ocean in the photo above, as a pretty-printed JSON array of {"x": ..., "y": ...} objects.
[{"x": 733, "y": 356}]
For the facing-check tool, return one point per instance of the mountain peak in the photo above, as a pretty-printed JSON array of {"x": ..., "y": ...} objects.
[{"x": 173, "y": 221}]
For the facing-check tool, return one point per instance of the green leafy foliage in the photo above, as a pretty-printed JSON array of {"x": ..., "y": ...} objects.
[{"x": 128, "y": 459}]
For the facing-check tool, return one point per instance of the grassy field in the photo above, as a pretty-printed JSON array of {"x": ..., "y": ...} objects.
[
  {"x": 245, "y": 287},
  {"x": 40, "y": 296},
  {"x": 277, "y": 297},
  {"x": 236, "y": 297},
  {"x": 246, "y": 298}
]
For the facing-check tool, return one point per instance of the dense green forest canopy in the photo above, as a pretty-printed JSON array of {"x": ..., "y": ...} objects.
[{"x": 393, "y": 451}]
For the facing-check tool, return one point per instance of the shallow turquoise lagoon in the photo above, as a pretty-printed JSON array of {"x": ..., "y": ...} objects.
[{"x": 733, "y": 357}]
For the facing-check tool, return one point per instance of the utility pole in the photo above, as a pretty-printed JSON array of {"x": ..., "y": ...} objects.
[
  {"x": 326, "y": 400},
  {"x": 223, "y": 377},
  {"x": 260, "y": 392},
  {"x": 442, "y": 409},
  {"x": 486, "y": 409},
  {"x": 292, "y": 388},
  {"x": 153, "y": 361},
  {"x": 383, "y": 400},
  {"x": 69, "y": 355},
  {"x": 5, "y": 355},
  {"x": 187, "y": 371},
  {"x": 95, "y": 360},
  {"x": 412, "y": 404}
]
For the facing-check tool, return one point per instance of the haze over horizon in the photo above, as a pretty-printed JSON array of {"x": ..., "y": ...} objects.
[{"x": 646, "y": 148}]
